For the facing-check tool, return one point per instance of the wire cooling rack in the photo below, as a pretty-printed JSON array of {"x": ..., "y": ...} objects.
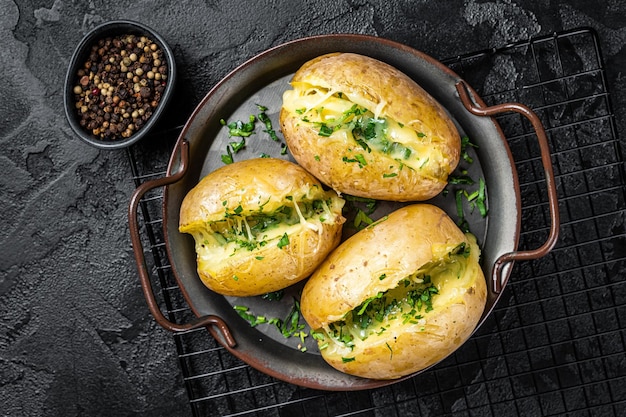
[{"x": 554, "y": 344}]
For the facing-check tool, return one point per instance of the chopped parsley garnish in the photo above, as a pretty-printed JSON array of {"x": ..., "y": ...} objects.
[
  {"x": 409, "y": 302},
  {"x": 460, "y": 180},
  {"x": 263, "y": 117},
  {"x": 291, "y": 325},
  {"x": 248, "y": 230},
  {"x": 367, "y": 131},
  {"x": 228, "y": 158},
  {"x": 369, "y": 203},
  {"x": 465, "y": 143},
  {"x": 237, "y": 146},
  {"x": 244, "y": 129},
  {"x": 358, "y": 158},
  {"x": 288, "y": 327},
  {"x": 239, "y": 127},
  {"x": 325, "y": 130},
  {"x": 476, "y": 199},
  {"x": 361, "y": 220},
  {"x": 253, "y": 320},
  {"x": 274, "y": 296},
  {"x": 284, "y": 241},
  {"x": 463, "y": 185},
  {"x": 462, "y": 221}
]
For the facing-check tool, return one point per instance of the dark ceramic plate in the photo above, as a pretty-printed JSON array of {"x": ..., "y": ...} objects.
[{"x": 262, "y": 80}]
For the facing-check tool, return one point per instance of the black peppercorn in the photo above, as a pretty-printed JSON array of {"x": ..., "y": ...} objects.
[{"x": 119, "y": 85}]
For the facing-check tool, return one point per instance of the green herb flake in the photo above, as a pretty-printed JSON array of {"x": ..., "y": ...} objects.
[
  {"x": 346, "y": 360},
  {"x": 240, "y": 128},
  {"x": 377, "y": 222},
  {"x": 325, "y": 130},
  {"x": 237, "y": 146},
  {"x": 291, "y": 326},
  {"x": 462, "y": 221},
  {"x": 465, "y": 143},
  {"x": 284, "y": 241},
  {"x": 274, "y": 295},
  {"x": 264, "y": 118},
  {"x": 460, "y": 180},
  {"x": 480, "y": 201},
  {"x": 318, "y": 335},
  {"x": 228, "y": 158},
  {"x": 390, "y": 350},
  {"x": 361, "y": 220},
  {"x": 359, "y": 159},
  {"x": 253, "y": 320}
]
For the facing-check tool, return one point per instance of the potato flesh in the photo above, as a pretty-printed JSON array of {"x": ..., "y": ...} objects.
[
  {"x": 447, "y": 279},
  {"x": 403, "y": 146},
  {"x": 238, "y": 232}
]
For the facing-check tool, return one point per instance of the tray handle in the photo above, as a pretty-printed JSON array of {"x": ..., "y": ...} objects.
[
  {"x": 211, "y": 322},
  {"x": 527, "y": 255}
]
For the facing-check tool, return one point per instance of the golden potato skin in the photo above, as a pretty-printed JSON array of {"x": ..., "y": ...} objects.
[
  {"x": 388, "y": 93},
  {"x": 396, "y": 246},
  {"x": 248, "y": 187},
  {"x": 247, "y": 183}
]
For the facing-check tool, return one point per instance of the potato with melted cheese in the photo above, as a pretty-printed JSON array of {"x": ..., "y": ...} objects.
[
  {"x": 366, "y": 129},
  {"x": 260, "y": 225},
  {"x": 398, "y": 296}
]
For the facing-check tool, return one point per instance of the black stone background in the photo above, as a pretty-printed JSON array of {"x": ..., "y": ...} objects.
[{"x": 76, "y": 338}]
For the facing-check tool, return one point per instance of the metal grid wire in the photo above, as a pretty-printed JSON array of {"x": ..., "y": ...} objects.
[{"x": 555, "y": 343}]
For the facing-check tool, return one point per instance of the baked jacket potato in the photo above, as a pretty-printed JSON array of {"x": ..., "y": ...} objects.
[
  {"x": 260, "y": 225},
  {"x": 366, "y": 129},
  {"x": 398, "y": 296}
]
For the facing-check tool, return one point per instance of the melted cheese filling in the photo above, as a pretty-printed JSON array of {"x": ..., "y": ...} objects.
[
  {"x": 338, "y": 118},
  {"x": 236, "y": 232},
  {"x": 407, "y": 307}
]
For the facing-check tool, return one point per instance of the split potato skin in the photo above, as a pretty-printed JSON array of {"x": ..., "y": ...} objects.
[
  {"x": 420, "y": 249},
  {"x": 250, "y": 238},
  {"x": 366, "y": 129}
]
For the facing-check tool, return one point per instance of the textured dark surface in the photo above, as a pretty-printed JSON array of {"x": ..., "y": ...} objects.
[{"x": 75, "y": 334}]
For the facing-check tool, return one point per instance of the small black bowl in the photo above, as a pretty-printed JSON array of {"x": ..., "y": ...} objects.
[{"x": 81, "y": 55}]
